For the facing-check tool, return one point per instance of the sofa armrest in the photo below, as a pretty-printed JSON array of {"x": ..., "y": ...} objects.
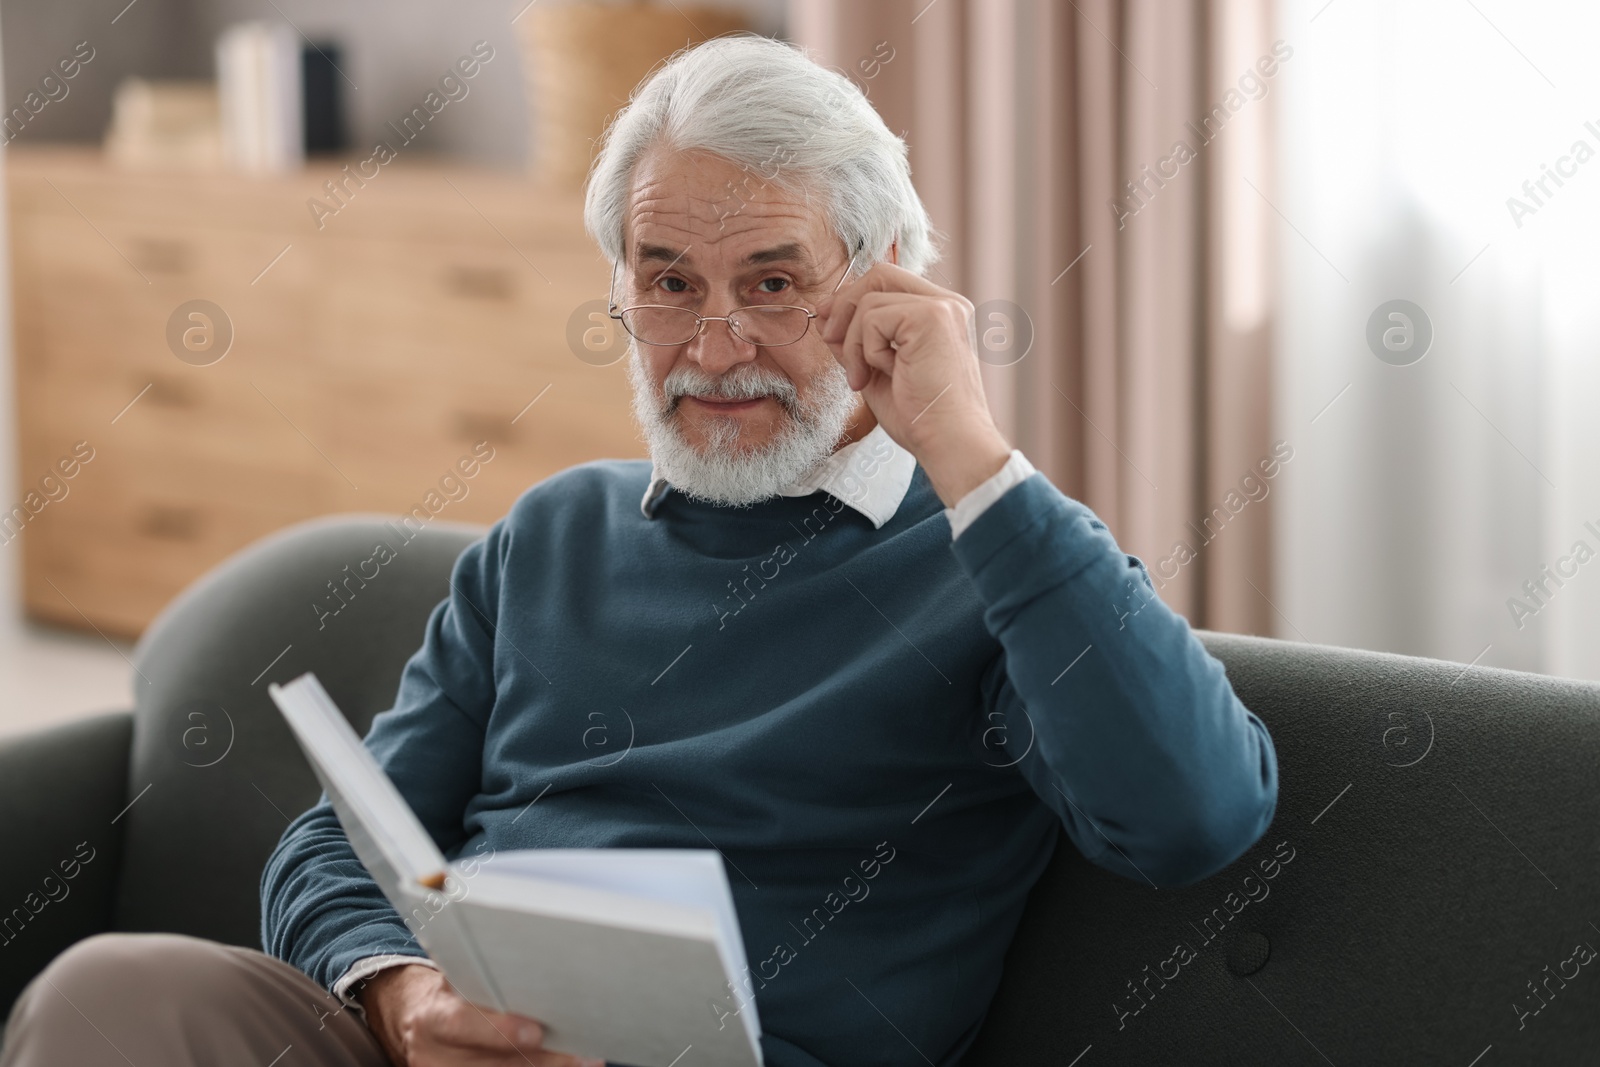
[{"x": 60, "y": 790}]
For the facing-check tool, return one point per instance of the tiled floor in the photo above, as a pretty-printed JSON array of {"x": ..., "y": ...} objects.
[{"x": 49, "y": 675}]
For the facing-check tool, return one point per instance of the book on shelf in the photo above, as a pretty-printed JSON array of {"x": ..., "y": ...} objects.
[{"x": 261, "y": 95}]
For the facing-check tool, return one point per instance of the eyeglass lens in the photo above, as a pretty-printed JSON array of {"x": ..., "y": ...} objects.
[{"x": 757, "y": 325}]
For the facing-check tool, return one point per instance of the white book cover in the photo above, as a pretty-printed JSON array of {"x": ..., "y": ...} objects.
[{"x": 633, "y": 955}]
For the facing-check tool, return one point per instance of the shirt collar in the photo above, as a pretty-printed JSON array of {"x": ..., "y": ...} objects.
[{"x": 871, "y": 475}]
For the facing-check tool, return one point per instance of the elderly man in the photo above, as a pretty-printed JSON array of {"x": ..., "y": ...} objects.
[{"x": 866, "y": 651}]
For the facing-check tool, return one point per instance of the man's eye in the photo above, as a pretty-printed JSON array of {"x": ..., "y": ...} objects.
[
  {"x": 780, "y": 282},
  {"x": 670, "y": 281}
]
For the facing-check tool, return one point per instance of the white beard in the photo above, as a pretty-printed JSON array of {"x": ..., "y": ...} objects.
[{"x": 724, "y": 473}]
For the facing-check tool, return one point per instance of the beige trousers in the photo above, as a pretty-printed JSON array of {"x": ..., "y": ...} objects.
[{"x": 169, "y": 1000}]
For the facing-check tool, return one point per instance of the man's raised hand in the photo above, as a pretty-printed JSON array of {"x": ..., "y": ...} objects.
[{"x": 909, "y": 348}]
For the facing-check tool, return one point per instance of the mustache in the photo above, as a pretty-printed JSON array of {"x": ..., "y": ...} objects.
[{"x": 745, "y": 382}]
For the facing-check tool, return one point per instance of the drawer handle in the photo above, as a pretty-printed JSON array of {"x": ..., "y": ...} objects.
[
  {"x": 479, "y": 283},
  {"x": 160, "y": 255},
  {"x": 170, "y": 523},
  {"x": 171, "y": 393},
  {"x": 480, "y": 426}
]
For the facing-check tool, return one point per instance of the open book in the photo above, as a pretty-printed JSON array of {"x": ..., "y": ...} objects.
[{"x": 633, "y": 955}]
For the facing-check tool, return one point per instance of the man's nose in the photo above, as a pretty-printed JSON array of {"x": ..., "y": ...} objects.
[{"x": 716, "y": 347}]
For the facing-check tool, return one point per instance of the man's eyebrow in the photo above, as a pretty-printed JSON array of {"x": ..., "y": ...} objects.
[
  {"x": 793, "y": 251},
  {"x": 649, "y": 252}
]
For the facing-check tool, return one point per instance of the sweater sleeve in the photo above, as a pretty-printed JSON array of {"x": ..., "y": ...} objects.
[
  {"x": 1156, "y": 769},
  {"x": 320, "y": 909}
]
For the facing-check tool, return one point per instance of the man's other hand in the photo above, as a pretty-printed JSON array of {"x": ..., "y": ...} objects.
[{"x": 422, "y": 1022}]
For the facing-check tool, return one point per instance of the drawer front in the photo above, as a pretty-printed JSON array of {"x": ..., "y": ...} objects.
[
  {"x": 135, "y": 526},
  {"x": 84, "y": 299}
]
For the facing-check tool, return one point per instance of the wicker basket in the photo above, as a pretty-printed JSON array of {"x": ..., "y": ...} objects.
[{"x": 583, "y": 61}]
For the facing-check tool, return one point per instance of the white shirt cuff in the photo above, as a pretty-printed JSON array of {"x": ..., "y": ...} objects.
[
  {"x": 975, "y": 503},
  {"x": 368, "y": 966}
]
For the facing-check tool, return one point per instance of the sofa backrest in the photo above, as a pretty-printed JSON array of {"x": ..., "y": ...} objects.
[
  {"x": 1436, "y": 849},
  {"x": 215, "y": 775}
]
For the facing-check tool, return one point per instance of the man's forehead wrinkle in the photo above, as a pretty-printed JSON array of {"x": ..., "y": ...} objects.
[
  {"x": 713, "y": 207},
  {"x": 668, "y": 231}
]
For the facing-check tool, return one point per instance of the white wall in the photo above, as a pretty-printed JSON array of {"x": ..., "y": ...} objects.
[{"x": 155, "y": 38}]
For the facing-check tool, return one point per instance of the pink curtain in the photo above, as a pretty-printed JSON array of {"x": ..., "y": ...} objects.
[{"x": 1146, "y": 392}]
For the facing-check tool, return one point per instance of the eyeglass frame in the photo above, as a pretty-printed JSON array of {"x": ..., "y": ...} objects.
[{"x": 616, "y": 313}]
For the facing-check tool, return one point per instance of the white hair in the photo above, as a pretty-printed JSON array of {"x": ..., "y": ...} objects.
[{"x": 766, "y": 106}]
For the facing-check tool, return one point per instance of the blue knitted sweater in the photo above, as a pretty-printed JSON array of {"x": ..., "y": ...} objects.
[{"x": 882, "y": 731}]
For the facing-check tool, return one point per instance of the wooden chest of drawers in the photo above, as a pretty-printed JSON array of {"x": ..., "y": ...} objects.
[{"x": 370, "y": 353}]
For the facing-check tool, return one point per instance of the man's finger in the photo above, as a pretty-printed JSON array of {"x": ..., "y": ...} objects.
[
  {"x": 437, "y": 1054},
  {"x": 517, "y": 1038},
  {"x": 884, "y": 277},
  {"x": 506, "y": 1043},
  {"x": 547, "y": 1058},
  {"x": 467, "y": 1024},
  {"x": 881, "y": 277},
  {"x": 879, "y": 336},
  {"x": 870, "y": 321}
]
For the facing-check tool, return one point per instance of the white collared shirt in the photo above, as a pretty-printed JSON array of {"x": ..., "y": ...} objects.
[{"x": 842, "y": 476}]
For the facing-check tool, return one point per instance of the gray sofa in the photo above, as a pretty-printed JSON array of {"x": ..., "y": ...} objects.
[{"x": 1423, "y": 896}]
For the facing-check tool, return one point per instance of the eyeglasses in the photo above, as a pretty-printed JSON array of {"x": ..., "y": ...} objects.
[{"x": 768, "y": 325}]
